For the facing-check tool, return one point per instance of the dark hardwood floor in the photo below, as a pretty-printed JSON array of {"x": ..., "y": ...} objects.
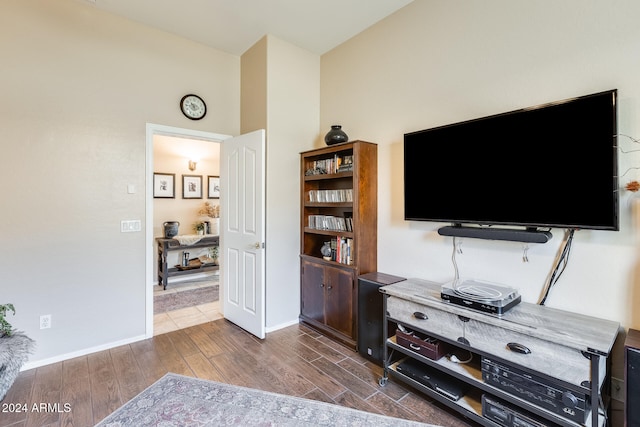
[{"x": 295, "y": 361}]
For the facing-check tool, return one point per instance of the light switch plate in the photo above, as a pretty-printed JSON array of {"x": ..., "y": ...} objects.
[{"x": 128, "y": 226}]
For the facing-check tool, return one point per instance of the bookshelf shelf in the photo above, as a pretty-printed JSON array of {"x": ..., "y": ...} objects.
[
  {"x": 328, "y": 232},
  {"x": 328, "y": 204},
  {"x": 328, "y": 176}
]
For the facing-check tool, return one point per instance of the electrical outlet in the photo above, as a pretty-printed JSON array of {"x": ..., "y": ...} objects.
[
  {"x": 617, "y": 389},
  {"x": 45, "y": 321}
]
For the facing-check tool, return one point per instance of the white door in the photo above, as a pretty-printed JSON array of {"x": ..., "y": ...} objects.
[{"x": 242, "y": 196}]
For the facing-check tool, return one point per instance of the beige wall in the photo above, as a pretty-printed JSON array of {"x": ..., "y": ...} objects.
[
  {"x": 77, "y": 87},
  {"x": 253, "y": 88},
  {"x": 438, "y": 62},
  {"x": 293, "y": 114},
  {"x": 281, "y": 93}
]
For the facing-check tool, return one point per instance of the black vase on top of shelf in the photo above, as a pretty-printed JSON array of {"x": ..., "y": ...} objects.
[{"x": 336, "y": 135}]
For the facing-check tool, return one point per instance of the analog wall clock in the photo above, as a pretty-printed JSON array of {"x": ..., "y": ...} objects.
[{"x": 193, "y": 107}]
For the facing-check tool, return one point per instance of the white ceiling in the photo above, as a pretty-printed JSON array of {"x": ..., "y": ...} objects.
[{"x": 234, "y": 26}]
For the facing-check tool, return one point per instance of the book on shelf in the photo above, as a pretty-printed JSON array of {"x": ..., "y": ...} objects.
[
  {"x": 331, "y": 196},
  {"x": 336, "y": 164},
  {"x": 348, "y": 219},
  {"x": 345, "y": 163},
  {"x": 331, "y": 223},
  {"x": 342, "y": 250}
]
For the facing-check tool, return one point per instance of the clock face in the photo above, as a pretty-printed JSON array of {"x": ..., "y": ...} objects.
[{"x": 193, "y": 107}]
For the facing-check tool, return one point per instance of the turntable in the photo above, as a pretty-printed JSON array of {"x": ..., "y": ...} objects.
[{"x": 481, "y": 296}]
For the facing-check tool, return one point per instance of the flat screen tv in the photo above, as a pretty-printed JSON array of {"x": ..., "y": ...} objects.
[{"x": 548, "y": 166}]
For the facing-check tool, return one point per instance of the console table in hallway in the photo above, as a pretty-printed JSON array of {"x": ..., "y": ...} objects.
[{"x": 167, "y": 245}]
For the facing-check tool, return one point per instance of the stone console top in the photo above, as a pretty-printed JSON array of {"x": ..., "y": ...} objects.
[{"x": 584, "y": 333}]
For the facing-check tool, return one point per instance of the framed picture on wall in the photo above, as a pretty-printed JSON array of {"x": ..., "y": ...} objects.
[
  {"x": 164, "y": 185},
  {"x": 192, "y": 186},
  {"x": 214, "y": 187}
]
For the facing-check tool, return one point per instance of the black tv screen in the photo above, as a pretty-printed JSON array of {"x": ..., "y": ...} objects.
[{"x": 553, "y": 165}]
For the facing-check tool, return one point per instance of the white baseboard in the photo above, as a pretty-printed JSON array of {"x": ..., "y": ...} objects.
[
  {"x": 282, "y": 325},
  {"x": 63, "y": 357}
]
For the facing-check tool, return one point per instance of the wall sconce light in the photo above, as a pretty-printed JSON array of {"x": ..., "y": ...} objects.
[{"x": 192, "y": 165}]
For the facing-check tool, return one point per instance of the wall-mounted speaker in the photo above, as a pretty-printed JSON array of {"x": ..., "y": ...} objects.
[{"x": 509, "y": 234}]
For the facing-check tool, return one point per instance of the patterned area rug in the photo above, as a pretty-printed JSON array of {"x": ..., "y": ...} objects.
[
  {"x": 175, "y": 299},
  {"x": 176, "y": 400}
]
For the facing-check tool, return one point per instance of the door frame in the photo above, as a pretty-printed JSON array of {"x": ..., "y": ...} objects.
[{"x": 151, "y": 131}]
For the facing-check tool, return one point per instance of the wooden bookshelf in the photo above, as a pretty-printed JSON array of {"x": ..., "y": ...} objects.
[{"x": 338, "y": 205}]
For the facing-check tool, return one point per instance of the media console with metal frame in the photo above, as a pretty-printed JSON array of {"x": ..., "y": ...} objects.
[
  {"x": 567, "y": 355},
  {"x": 166, "y": 245}
]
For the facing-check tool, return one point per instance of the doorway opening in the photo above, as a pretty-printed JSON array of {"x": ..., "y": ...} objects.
[{"x": 190, "y": 158}]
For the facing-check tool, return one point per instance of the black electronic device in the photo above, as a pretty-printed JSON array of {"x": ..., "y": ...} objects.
[
  {"x": 632, "y": 378},
  {"x": 435, "y": 380},
  {"x": 481, "y": 296},
  {"x": 542, "y": 392},
  {"x": 552, "y": 165},
  {"x": 508, "y": 416},
  {"x": 371, "y": 315},
  {"x": 529, "y": 235}
]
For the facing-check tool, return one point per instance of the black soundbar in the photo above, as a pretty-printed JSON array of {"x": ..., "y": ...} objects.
[{"x": 528, "y": 235}]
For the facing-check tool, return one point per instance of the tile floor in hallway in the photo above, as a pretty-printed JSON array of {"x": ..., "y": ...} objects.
[
  {"x": 185, "y": 317},
  {"x": 189, "y": 316}
]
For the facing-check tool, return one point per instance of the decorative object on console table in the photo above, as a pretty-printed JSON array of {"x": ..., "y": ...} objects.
[
  {"x": 15, "y": 348},
  {"x": 170, "y": 229},
  {"x": 213, "y": 212},
  {"x": 632, "y": 378},
  {"x": 336, "y": 135},
  {"x": 214, "y": 252},
  {"x": 199, "y": 227},
  {"x": 215, "y": 226},
  {"x": 338, "y": 195}
]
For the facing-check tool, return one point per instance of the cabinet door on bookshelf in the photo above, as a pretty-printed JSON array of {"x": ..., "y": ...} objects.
[
  {"x": 339, "y": 300},
  {"x": 327, "y": 296},
  {"x": 312, "y": 292}
]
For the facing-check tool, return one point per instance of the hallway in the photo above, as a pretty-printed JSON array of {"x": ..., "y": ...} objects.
[
  {"x": 183, "y": 311},
  {"x": 185, "y": 317}
]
